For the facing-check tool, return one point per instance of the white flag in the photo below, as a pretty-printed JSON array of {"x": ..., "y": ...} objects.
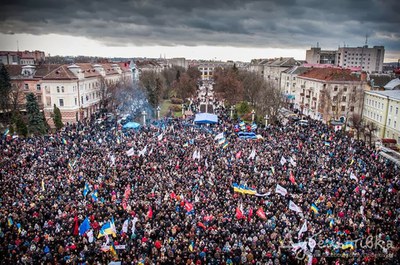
[
  {"x": 283, "y": 160},
  {"x": 125, "y": 226},
  {"x": 312, "y": 243},
  {"x": 302, "y": 229},
  {"x": 252, "y": 154},
  {"x": 294, "y": 207},
  {"x": 143, "y": 152},
  {"x": 130, "y": 152},
  {"x": 194, "y": 156},
  {"x": 160, "y": 137},
  {"x": 134, "y": 225},
  {"x": 206, "y": 163},
  {"x": 112, "y": 159},
  {"x": 90, "y": 235},
  {"x": 219, "y": 136},
  {"x": 292, "y": 162},
  {"x": 352, "y": 176},
  {"x": 281, "y": 190}
]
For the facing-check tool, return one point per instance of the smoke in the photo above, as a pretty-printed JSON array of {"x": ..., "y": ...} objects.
[{"x": 134, "y": 100}]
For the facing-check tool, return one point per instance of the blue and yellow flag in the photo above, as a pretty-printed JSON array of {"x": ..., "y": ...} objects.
[
  {"x": 108, "y": 229},
  {"x": 94, "y": 196},
  {"x": 243, "y": 189},
  {"x": 331, "y": 223},
  {"x": 113, "y": 250},
  {"x": 10, "y": 221},
  {"x": 314, "y": 208},
  {"x": 348, "y": 244},
  {"x": 86, "y": 190},
  {"x": 64, "y": 141}
]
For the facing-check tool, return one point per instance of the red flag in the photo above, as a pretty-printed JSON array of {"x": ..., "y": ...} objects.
[
  {"x": 76, "y": 226},
  {"x": 127, "y": 191},
  {"x": 238, "y": 154},
  {"x": 250, "y": 214},
  {"x": 260, "y": 213},
  {"x": 188, "y": 207},
  {"x": 173, "y": 195},
  {"x": 200, "y": 224},
  {"x": 208, "y": 218},
  {"x": 150, "y": 213},
  {"x": 357, "y": 189},
  {"x": 239, "y": 213},
  {"x": 291, "y": 178}
]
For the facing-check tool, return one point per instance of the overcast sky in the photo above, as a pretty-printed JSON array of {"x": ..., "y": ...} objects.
[{"x": 198, "y": 29}]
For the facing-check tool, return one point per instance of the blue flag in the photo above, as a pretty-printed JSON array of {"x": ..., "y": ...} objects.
[
  {"x": 86, "y": 190},
  {"x": 85, "y": 226}
]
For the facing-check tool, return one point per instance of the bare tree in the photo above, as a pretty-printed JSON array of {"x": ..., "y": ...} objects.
[
  {"x": 370, "y": 129},
  {"x": 357, "y": 124},
  {"x": 252, "y": 84},
  {"x": 16, "y": 96},
  {"x": 103, "y": 85},
  {"x": 228, "y": 86},
  {"x": 269, "y": 101}
]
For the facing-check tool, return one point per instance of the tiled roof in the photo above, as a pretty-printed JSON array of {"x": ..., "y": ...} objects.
[
  {"x": 125, "y": 66},
  {"x": 42, "y": 70},
  {"x": 60, "y": 73},
  {"x": 296, "y": 70},
  {"x": 88, "y": 70},
  {"x": 13, "y": 70},
  {"x": 330, "y": 74}
]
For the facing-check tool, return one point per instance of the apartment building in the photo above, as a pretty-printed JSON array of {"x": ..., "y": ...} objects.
[
  {"x": 271, "y": 69},
  {"x": 288, "y": 80},
  {"x": 76, "y": 89},
  {"x": 382, "y": 108},
  {"x": 22, "y": 57},
  {"x": 329, "y": 93},
  {"x": 369, "y": 59}
]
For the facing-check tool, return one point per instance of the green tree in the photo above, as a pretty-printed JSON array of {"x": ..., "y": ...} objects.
[
  {"x": 35, "y": 118},
  {"x": 57, "y": 118},
  {"x": 20, "y": 125},
  {"x": 5, "y": 88}
]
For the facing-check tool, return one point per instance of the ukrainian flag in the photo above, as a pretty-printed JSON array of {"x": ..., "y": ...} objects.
[
  {"x": 64, "y": 141},
  {"x": 94, "y": 196},
  {"x": 243, "y": 189},
  {"x": 348, "y": 244},
  {"x": 186, "y": 144},
  {"x": 19, "y": 228},
  {"x": 225, "y": 145},
  {"x": 10, "y": 221},
  {"x": 331, "y": 223},
  {"x": 314, "y": 208},
  {"x": 113, "y": 250},
  {"x": 108, "y": 229},
  {"x": 191, "y": 246},
  {"x": 86, "y": 190}
]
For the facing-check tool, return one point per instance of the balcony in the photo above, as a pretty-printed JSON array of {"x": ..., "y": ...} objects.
[
  {"x": 302, "y": 86},
  {"x": 307, "y": 96},
  {"x": 302, "y": 94},
  {"x": 314, "y": 98}
]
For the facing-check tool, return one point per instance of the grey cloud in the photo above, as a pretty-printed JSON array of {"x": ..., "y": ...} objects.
[{"x": 283, "y": 24}]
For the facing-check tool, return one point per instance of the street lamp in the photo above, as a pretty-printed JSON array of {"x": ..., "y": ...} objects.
[
  {"x": 252, "y": 115},
  {"x": 266, "y": 120},
  {"x": 158, "y": 112},
  {"x": 144, "y": 117},
  {"x": 183, "y": 109},
  {"x": 232, "y": 109}
]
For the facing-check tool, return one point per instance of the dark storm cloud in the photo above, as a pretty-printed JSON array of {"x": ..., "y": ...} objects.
[{"x": 281, "y": 24}]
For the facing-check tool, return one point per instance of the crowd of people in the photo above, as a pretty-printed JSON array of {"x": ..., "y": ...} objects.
[{"x": 167, "y": 191}]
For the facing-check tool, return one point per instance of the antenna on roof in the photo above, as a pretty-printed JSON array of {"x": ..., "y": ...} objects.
[
  {"x": 317, "y": 44},
  {"x": 366, "y": 40},
  {"x": 17, "y": 46}
]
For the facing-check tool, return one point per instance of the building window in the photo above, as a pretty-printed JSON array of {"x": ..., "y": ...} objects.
[
  {"x": 81, "y": 99},
  {"x": 397, "y": 110},
  {"x": 333, "y": 108},
  {"x": 62, "y": 89},
  {"x": 343, "y": 108},
  {"x": 391, "y": 108},
  {"x": 61, "y": 101},
  {"x": 344, "y": 98},
  {"x": 389, "y": 121},
  {"x": 335, "y": 88},
  {"x": 394, "y": 124},
  {"x": 38, "y": 87},
  {"x": 352, "y": 108},
  {"x": 76, "y": 101},
  {"x": 58, "y": 90},
  {"x": 334, "y": 98},
  {"x": 39, "y": 99},
  {"x": 26, "y": 86},
  {"x": 48, "y": 101},
  {"x": 345, "y": 89}
]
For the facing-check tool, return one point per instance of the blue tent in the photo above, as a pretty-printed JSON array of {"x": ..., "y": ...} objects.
[
  {"x": 204, "y": 118},
  {"x": 131, "y": 125}
]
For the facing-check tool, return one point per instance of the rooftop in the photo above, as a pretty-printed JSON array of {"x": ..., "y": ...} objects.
[
  {"x": 392, "y": 94},
  {"x": 331, "y": 74}
]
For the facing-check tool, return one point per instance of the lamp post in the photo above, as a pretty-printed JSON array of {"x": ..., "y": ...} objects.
[
  {"x": 183, "y": 109},
  {"x": 144, "y": 117},
  {"x": 252, "y": 115},
  {"x": 158, "y": 112},
  {"x": 266, "y": 120},
  {"x": 232, "y": 109}
]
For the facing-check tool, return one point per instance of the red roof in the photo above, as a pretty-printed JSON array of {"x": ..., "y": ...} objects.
[{"x": 331, "y": 74}]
